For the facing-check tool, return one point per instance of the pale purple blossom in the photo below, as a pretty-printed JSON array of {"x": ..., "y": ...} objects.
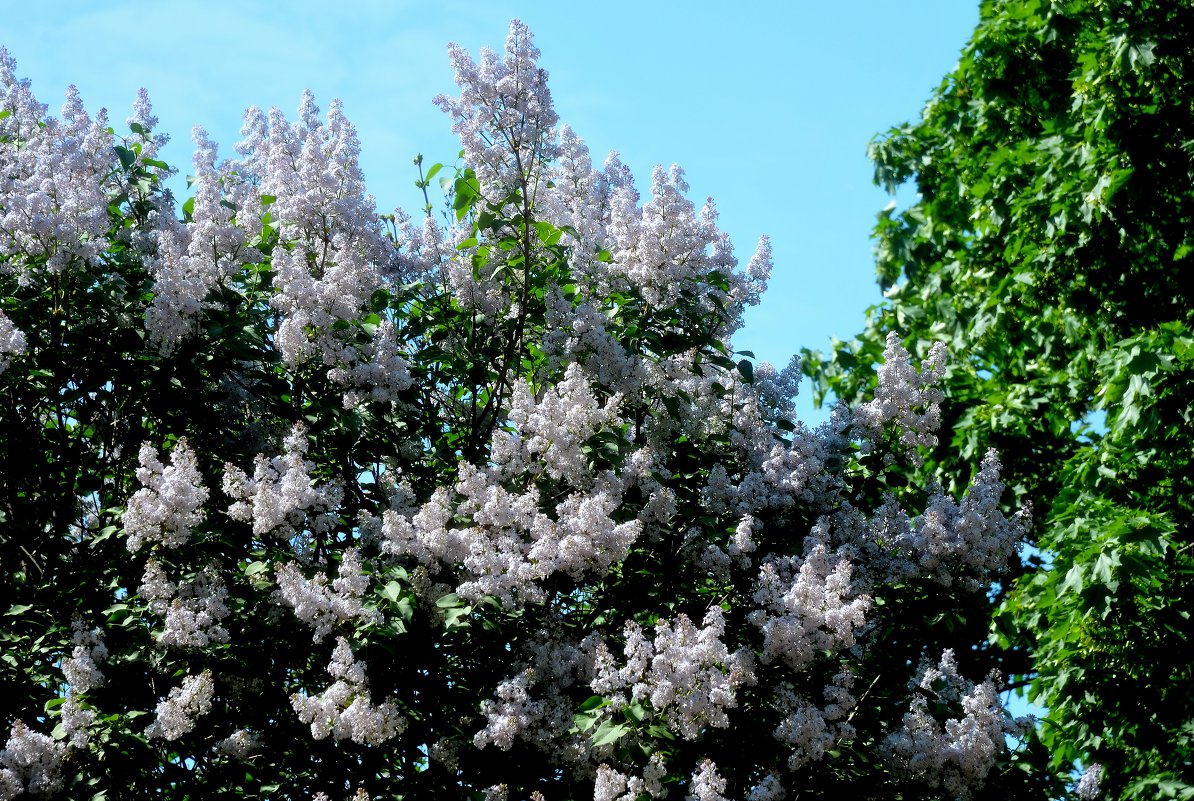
[
  {"x": 504, "y": 115},
  {"x": 707, "y": 783},
  {"x": 239, "y": 745},
  {"x": 53, "y": 172},
  {"x": 1087, "y": 787},
  {"x": 613, "y": 785},
  {"x": 510, "y": 712},
  {"x": 192, "y": 260},
  {"x": 281, "y": 499},
  {"x": 811, "y": 730},
  {"x": 905, "y": 397},
  {"x": 806, "y": 606},
  {"x": 511, "y": 545},
  {"x": 687, "y": 673},
  {"x": 957, "y": 754},
  {"x": 29, "y": 761},
  {"x": 314, "y": 602},
  {"x": 177, "y": 713},
  {"x": 12, "y": 341},
  {"x": 344, "y": 709},
  {"x": 170, "y": 502},
  {"x": 76, "y": 721},
  {"x": 307, "y": 175},
  {"x": 769, "y": 788},
  {"x": 969, "y": 542},
  {"x": 192, "y": 610},
  {"x": 81, "y": 668}
]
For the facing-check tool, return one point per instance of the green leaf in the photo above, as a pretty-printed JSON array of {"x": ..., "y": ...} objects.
[
  {"x": 392, "y": 591},
  {"x": 450, "y": 601},
  {"x": 256, "y": 568},
  {"x": 127, "y": 157},
  {"x": 594, "y": 702},
  {"x": 747, "y": 370},
  {"x": 608, "y": 732},
  {"x": 636, "y": 712}
]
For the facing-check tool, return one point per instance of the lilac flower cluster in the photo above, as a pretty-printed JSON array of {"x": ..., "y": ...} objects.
[
  {"x": 12, "y": 341},
  {"x": 170, "y": 502},
  {"x": 958, "y": 755},
  {"x": 1087, "y": 787},
  {"x": 512, "y": 545},
  {"x": 807, "y": 607},
  {"x": 686, "y": 672},
  {"x": 81, "y": 669},
  {"x": 314, "y": 602},
  {"x": 969, "y": 543},
  {"x": 344, "y": 709},
  {"x": 612, "y": 785},
  {"x": 902, "y": 391},
  {"x": 192, "y": 260},
  {"x": 811, "y": 730},
  {"x": 177, "y": 713},
  {"x": 707, "y": 783},
  {"x": 192, "y": 609},
  {"x": 307, "y": 177},
  {"x": 239, "y": 745},
  {"x": 504, "y": 116},
  {"x": 30, "y": 762},
  {"x": 53, "y": 176},
  {"x": 281, "y": 498}
]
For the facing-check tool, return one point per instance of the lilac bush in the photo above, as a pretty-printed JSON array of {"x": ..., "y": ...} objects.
[{"x": 300, "y": 500}]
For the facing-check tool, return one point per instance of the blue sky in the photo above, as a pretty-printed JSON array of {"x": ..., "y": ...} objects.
[{"x": 767, "y": 105}]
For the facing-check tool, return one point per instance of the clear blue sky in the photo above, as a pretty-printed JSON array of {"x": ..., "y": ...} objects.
[{"x": 767, "y": 105}]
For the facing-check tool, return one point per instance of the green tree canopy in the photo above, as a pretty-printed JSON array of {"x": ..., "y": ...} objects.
[{"x": 1046, "y": 249}]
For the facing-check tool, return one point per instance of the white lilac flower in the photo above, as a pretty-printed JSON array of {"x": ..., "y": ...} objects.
[
  {"x": 81, "y": 669},
  {"x": 969, "y": 542},
  {"x": 344, "y": 709},
  {"x": 281, "y": 499},
  {"x": 807, "y": 606},
  {"x": 707, "y": 783},
  {"x": 191, "y": 260},
  {"x": 29, "y": 761},
  {"x": 314, "y": 602},
  {"x": 143, "y": 116},
  {"x": 1087, "y": 787},
  {"x": 337, "y": 248},
  {"x": 504, "y": 116},
  {"x": 613, "y": 785},
  {"x": 901, "y": 392},
  {"x": 176, "y": 714},
  {"x": 55, "y": 171},
  {"x": 170, "y": 502},
  {"x": 958, "y": 754},
  {"x": 239, "y": 745},
  {"x": 769, "y": 788},
  {"x": 512, "y": 546},
  {"x": 509, "y": 713},
  {"x": 686, "y": 672},
  {"x": 76, "y": 720},
  {"x": 12, "y": 341},
  {"x": 193, "y": 610}
]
